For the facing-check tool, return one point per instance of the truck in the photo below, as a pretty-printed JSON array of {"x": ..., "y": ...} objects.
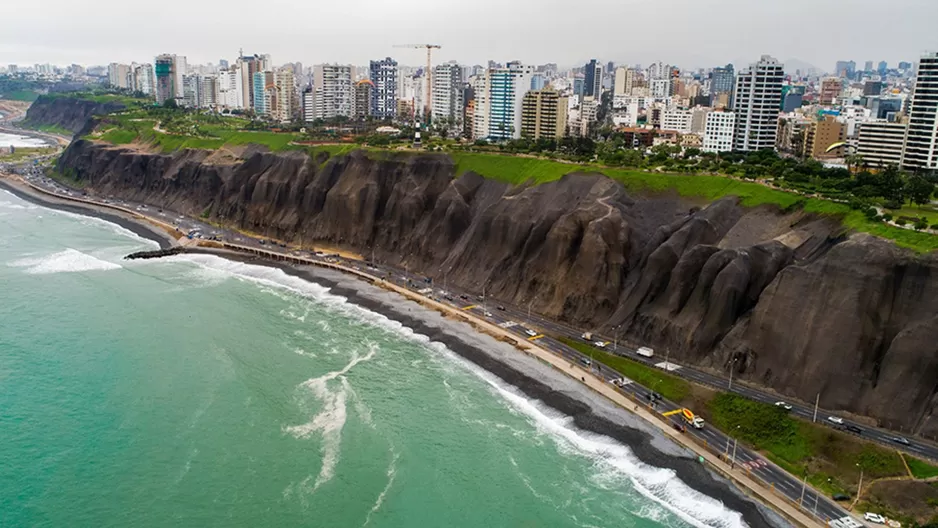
[
  {"x": 692, "y": 419},
  {"x": 587, "y": 336},
  {"x": 645, "y": 352}
]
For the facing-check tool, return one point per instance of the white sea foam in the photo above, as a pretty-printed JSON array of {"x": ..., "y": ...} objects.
[
  {"x": 614, "y": 460},
  {"x": 391, "y": 473},
  {"x": 68, "y": 261},
  {"x": 93, "y": 221},
  {"x": 331, "y": 418}
]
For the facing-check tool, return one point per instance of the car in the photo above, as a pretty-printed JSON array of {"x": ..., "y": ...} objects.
[
  {"x": 487, "y": 313},
  {"x": 500, "y": 307},
  {"x": 835, "y": 419},
  {"x": 840, "y": 497},
  {"x": 586, "y": 361},
  {"x": 464, "y": 297},
  {"x": 599, "y": 344},
  {"x": 901, "y": 440},
  {"x": 530, "y": 332},
  {"x": 783, "y": 405},
  {"x": 854, "y": 429},
  {"x": 874, "y": 518}
]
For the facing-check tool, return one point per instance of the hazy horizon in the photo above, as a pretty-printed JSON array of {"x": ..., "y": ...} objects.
[{"x": 687, "y": 34}]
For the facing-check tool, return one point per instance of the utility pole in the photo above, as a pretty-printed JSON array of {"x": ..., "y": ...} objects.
[
  {"x": 816, "y": 402},
  {"x": 804, "y": 484},
  {"x": 860, "y": 484},
  {"x": 733, "y": 462},
  {"x": 732, "y": 365}
]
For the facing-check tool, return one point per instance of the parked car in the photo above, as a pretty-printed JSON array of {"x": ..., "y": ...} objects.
[
  {"x": 874, "y": 518},
  {"x": 783, "y": 405},
  {"x": 835, "y": 419},
  {"x": 901, "y": 440}
]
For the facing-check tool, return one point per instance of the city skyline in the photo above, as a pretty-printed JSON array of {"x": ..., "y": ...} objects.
[{"x": 628, "y": 32}]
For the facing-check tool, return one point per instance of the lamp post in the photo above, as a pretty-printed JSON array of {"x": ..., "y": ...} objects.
[
  {"x": 735, "y": 441},
  {"x": 732, "y": 367},
  {"x": 860, "y": 484}
]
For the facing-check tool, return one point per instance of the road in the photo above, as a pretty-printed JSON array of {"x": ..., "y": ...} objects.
[{"x": 530, "y": 326}]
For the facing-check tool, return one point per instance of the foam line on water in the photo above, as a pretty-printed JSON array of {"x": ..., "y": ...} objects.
[
  {"x": 617, "y": 460},
  {"x": 614, "y": 459},
  {"x": 391, "y": 474},
  {"x": 68, "y": 261}
]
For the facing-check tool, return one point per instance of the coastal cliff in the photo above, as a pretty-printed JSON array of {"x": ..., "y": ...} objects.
[
  {"x": 786, "y": 299},
  {"x": 70, "y": 113}
]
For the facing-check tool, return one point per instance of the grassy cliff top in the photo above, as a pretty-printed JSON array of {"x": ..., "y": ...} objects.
[{"x": 171, "y": 130}]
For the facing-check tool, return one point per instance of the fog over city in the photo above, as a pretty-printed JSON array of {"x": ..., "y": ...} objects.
[{"x": 689, "y": 33}]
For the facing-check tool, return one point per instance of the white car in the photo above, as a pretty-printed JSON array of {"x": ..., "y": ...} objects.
[
  {"x": 783, "y": 405},
  {"x": 874, "y": 518},
  {"x": 599, "y": 344},
  {"x": 530, "y": 332},
  {"x": 487, "y": 314},
  {"x": 835, "y": 419}
]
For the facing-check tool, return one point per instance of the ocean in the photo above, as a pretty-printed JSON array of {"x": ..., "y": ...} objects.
[
  {"x": 196, "y": 391},
  {"x": 15, "y": 140}
]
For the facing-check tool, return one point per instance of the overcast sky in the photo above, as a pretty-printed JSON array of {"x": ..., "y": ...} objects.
[{"x": 686, "y": 33}]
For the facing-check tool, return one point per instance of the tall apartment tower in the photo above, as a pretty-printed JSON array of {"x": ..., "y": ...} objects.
[
  {"x": 722, "y": 81},
  {"x": 624, "y": 81},
  {"x": 544, "y": 114},
  {"x": 920, "y": 151},
  {"x": 383, "y": 74},
  {"x": 757, "y": 100},
  {"x": 593, "y": 79},
  {"x": 506, "y": 89},
  {"x": 334, "y": 91},
  {"x": 285, "y": 84},
  {"x": 447, "y": 93},
  {"x": 164, "y": 68}
]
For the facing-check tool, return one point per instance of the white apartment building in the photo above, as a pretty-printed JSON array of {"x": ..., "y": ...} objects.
[
  {"x": 480, "y": 120},
  {"x": 661, "y": 88},
  {"x": 309, "y": 105},
  {"x": 588, "y": 109},
  {"x": 180, "y": 70},
  {"x": 208, "y": 91},
  {"x": 334, "y": 84},
  {"x": 191, "y": 89},
  {"x": 677, "y": 119},
  {"x": 921, "y": 140},
  {"x": 500, "y": 106},
  {"x": 447, "y": 100},
  {"x": 230, "y": 88},
  {"x": 143, "y": 79},
  {"x": 880, "y": 143},
  {"x": 718, "y": 132},
  {"x": 757, "y": 103},
  {"x": 119, "y": 76}
]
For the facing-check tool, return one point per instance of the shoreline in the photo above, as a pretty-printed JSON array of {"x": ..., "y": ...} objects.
[
  {"x": 590, "y": 411},
  {"x": 135, "y": 225}
]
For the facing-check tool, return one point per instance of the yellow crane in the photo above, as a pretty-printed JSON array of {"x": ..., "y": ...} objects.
[{"x": 427, "y": 73}]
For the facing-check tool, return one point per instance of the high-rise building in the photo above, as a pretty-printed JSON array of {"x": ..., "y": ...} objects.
[
  {"x": 481, "y": 85},
  {"x": 143, "y": 79},
  {"x": 333, "y": 83},
  {"x": 230, "y": 88},
  {"x": 362, "y": 103},
  {"x": 722, "y": 81},
  {"x": 821, "y": 135},
  {"x": 543, "y": 114},
  {"x": 905, "y": 65},
  {"x": 921, "y": 140},
  {"x": 872, "y": 88},
  {"x": 248, "y": 65},
  {"x": 845, "y": 69},
  {"x": 868, "y": 67},
  {"x": 658, "y": 70},
  {"x": 678, "y": 120},
  {"x": 285, "y": 84},
  {"x": 589, "y": 107},
  {"x": 309, "y": 104},
  {"x": 181, "y": 70},
  {"x": 830, "y": 91},
  {"x": 593, "y": 79},
  {"x": 758, "y": 97},
  {"x": 880, "y": 143},
  {"x": 625, "y": 78},
  {"x": 190, "y": 90},
  {"x": 883, "y": 68},
  {"x": 165, "y": 78},
  {"x": 262, "y": 84},
  {"x": 447, "y": 97},
  {"x": 119, "y": 76},
  {"x": 718, "y": 132},
  {"x": 384, "y": 75},
  {"x": 505, "y": 96},
  {"x": 661, "y": 88},
  {"x": 208, "y": 91}
]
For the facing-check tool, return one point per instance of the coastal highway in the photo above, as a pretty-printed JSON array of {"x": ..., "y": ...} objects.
[{"x": 783, "y": 482}]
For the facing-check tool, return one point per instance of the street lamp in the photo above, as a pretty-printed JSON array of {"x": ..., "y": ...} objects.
[
  {"x": 860, "y": 484},
  {"x": 735, "y": 441}
]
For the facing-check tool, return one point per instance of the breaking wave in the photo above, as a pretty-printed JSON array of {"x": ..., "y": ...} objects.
[{"x": 68, "y": 261}]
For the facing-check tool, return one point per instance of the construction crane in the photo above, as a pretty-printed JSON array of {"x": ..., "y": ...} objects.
[{"x": 428, "y": 73}]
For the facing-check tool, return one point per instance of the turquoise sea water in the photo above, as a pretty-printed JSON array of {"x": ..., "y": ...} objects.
[{"x": 200, "y": 392}]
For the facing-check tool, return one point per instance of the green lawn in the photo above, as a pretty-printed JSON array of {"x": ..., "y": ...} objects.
[
  {"x": 20, "y": 95},
  {"x": 668, "y": 385},
  {"x": 51, "y": 129},
  {"x": 23, "y": 153},
  {"x": 921, "y": 469}
]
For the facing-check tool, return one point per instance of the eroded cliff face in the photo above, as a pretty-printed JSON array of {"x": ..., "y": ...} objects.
[
  {"x": 784, "y": 298},
  {"x": 67, "y": 112}
]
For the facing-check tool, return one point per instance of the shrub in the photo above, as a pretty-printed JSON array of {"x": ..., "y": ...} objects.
[
  {"x": 902, "y": 221},
  {"x": 921, "y": 224},
  {"x": 887, "y": 217}
]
